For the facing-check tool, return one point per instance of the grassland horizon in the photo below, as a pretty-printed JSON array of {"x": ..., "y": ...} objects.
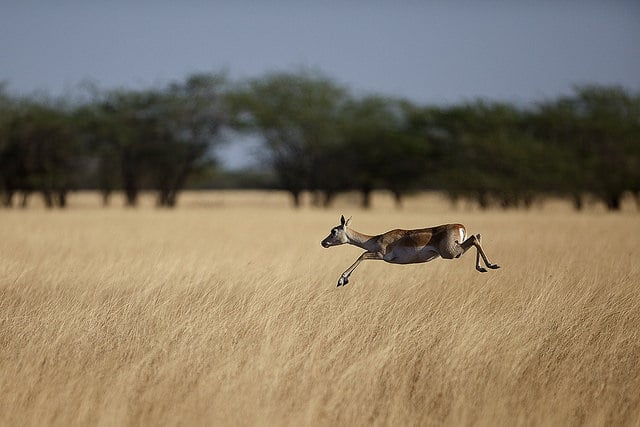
[{"x": 225, "y": 312}]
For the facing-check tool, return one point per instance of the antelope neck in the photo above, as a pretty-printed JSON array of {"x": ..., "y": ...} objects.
[{"x": 361, "y": 240}]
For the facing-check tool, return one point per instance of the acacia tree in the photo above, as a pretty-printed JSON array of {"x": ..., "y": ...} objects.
[
  {"x": 380, "y": 150},
  {"x": 298, "y": 117},
  {"x": 609, "y": 120},
  {"x": 157, "y": 138},
  {"x": 40, "y": 152},
  {"x": 125, "y": 121},
  {"x": 7, "y": 175},
  {"x": 100, "y": 131},
  {"x": 596, "y": 131},
  {"x": 192, "y": 115},
  {"x": 486, "y": 154},
  {"x": 554, "y": 124}
]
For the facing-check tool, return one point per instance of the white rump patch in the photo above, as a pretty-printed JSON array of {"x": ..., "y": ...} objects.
[{"x": 461, "y": 230}]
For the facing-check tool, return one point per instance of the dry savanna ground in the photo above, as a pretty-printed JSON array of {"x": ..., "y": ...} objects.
[{"x": 225, "y": 312}]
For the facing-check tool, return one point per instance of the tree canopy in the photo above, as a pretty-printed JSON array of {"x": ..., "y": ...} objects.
[{"x": 318, "y": 136}]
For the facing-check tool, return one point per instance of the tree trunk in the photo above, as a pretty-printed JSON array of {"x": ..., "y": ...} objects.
[
  {"x": 295, "y": 194},
  {"x": 366, "y": 197},
  {"x": 131, "y": 198},
  {"x": 7, "y": 198},
  {"x": 483, "y": 200},
  {"x": 578, "y": 203},
  {"x": 62, "y": 198},
  {"x": 25, "y": 199},
  {"x": 48, "y": 198},
  {"x": 397, "y": 197},
  {"x": 106, "y": 197},
  {"x": 163, "y": 198},
  {"x": 131, "y": 195},
  {"x": 613, "y": 201},
  {"x": 129, "y": 180},
  {"x": 329, "y": 196},
  {"x": 172, "y": 199}
]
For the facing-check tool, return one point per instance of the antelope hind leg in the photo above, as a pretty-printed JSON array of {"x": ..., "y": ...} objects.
[
  {"x": 480, "y": 252},
  {"x": 474, "y": 240},
  {"x": 479, "y": 267}
]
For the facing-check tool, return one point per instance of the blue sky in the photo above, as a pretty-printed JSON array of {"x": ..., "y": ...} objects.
[{"x": 430, "y": 52}]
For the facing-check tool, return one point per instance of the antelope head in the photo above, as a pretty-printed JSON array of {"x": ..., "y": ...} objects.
[{"x": 338, "y": 234}]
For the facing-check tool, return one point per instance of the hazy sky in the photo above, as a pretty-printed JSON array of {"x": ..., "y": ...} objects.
[{"x": 430, "y": 52}]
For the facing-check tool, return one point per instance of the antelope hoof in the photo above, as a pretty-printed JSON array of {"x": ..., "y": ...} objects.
[
  {"x": 493, "y": 266},
  {"x": 343, "y": 281},
  {"x": 481, "y": 269}
]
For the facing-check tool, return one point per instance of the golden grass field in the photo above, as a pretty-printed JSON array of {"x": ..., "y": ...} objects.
[{"x": 225, "y": 312}]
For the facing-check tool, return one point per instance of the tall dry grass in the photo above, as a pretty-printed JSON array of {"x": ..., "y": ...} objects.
[{"x": 230, "y": 316}]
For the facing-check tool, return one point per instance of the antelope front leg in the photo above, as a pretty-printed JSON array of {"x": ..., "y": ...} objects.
[{"x": 344, "y": 277}]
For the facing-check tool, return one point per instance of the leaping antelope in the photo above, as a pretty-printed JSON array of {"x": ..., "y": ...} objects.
[{"x": 407, "y": 246}]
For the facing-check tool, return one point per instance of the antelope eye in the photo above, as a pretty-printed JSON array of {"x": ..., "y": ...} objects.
[{"x": 333, "y": 231}]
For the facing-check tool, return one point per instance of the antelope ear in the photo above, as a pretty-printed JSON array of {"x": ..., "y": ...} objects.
[
  {"x": 346, "y": 224},
  {"x": 342, "y": 221}
]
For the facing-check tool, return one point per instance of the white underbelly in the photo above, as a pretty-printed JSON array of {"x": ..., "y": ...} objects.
[{"x": 412, "y": 255}]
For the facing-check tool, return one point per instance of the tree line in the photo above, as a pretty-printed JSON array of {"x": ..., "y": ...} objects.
[{"x": 318, "y": 137}]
